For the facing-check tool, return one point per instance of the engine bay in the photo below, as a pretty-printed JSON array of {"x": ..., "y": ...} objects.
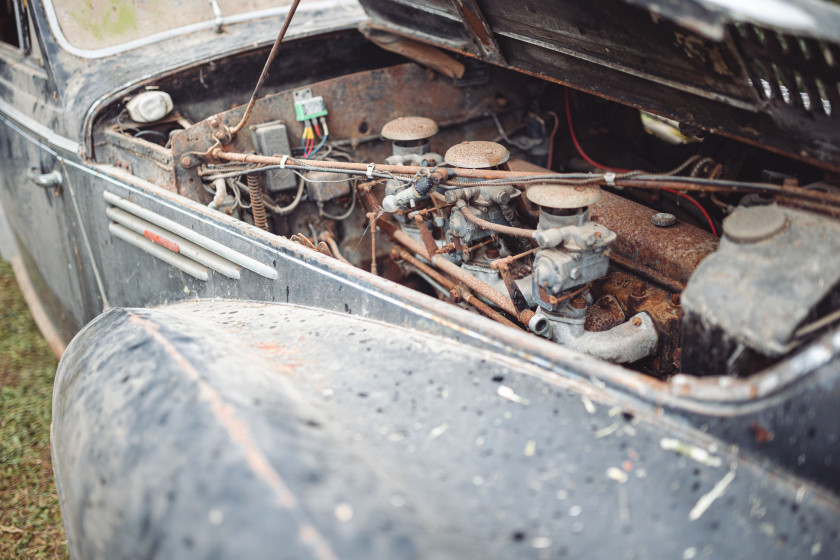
[{"x": 600, "y": 227}]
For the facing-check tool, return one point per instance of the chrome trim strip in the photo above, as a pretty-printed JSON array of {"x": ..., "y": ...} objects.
[
  {"x": 350, "y": 6},
  {"x": 188, "y": 234},
  {"x": 181, "y": 263},
  {"x": 65, "y": 144},
  {"x": 48, "y": 134},
  {"x": 184, "y": 247}
]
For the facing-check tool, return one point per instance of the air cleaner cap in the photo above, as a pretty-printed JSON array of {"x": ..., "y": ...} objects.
[
  {"x": 408, "y": 129},
  {"x": 476, "y": 155},
  {"x": 564, "y": 196},
  {"x": 754, "y": 224}
]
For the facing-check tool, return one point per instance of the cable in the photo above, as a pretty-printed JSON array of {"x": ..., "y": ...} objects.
[
  {"x": 321, "y": 145},
  {"x": 597, "y": 165},
  {"x": 698, "y": 205},
  {"x": 342, "y": 216},
  {"x": 283, "y": 210}
]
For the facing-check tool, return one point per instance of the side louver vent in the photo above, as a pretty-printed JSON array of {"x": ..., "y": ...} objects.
[
  {"x": 175, "y": 244},
  {"x": 797, "y": 71}
]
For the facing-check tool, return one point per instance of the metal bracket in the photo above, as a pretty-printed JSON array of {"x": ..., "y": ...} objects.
[{"x": 479, "y": 30}]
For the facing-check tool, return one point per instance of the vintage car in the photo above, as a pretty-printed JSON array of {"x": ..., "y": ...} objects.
[{"x": 463, "y": 279}]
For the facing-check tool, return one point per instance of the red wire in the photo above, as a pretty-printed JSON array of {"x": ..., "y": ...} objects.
[
  {"x": 698, "y": 205},
  {"x": 595, "y": 164},
  {"x": 310, "y": 142},
  {"x": 551, "y": 138},
  {"x": 317, "y": 130}
]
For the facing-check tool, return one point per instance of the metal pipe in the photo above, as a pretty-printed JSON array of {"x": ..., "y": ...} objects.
[
  {"x": 488, "y": 292},
  {"x": 333, "y": 245},
  {"x": 220, "y": 154},
  {"x": 221, "y": 192},
  {"x": 507, "y": 230},
  {"x": 637, "y": 181},
  {"x": 482, "y": 307}
]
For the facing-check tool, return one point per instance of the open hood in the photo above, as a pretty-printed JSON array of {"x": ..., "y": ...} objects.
[{"x": 766, "y": 72}]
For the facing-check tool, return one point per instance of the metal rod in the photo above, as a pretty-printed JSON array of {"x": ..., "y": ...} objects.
[
  {"x": 488, "y": 292},
  {"x": 637, "y": 181},
  {"x": 482, "y": 307},
  {"x": 264, "y": 74},
  {"x": 354, "y": 166},
  {"x": 506, "y": 230}
]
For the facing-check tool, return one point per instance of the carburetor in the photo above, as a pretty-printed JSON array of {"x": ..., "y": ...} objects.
[
  {"x": 573, "y": 252},
  {"x": 572, "y": 248},
  {"x": 410, "y": 138},
  {"x": 492, "y": 204}
]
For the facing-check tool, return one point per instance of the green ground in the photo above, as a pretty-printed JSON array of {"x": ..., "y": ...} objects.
[{"x": 30, "y": 521}]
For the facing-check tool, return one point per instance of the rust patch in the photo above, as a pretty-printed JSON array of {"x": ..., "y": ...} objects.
[
  {"x": 761, "y": 434},
  {"x": 409, "y": 128},
  {"x": 162, "y": 241},
  {"x": 477, "y": 155},
  {"x": 604, "y": 315},
  {"x": 667, "y": 255},
  {"x": 238, "y": 430}
]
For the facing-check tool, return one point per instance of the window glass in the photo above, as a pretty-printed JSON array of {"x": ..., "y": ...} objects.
[
  {"x": 9, "y": 23},
  {"x": 98, "y": 24}
]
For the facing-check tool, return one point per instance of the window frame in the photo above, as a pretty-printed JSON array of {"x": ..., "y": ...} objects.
[{"x": 22, "y": 25}]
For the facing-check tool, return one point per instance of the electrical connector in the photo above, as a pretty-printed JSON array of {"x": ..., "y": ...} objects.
[{"x": 311, "y": 108}]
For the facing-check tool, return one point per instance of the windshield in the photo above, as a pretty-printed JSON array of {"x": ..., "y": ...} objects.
[{"x": 99, "y": 24}]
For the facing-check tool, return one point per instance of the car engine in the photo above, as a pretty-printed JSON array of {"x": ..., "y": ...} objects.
[{"x": 608, "y": 230}]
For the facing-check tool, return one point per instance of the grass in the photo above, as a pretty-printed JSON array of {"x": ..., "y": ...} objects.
[{"x": 30, "y": 520}]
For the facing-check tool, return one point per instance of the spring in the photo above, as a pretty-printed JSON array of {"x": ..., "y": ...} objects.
[{"x": 257, "y": 206}]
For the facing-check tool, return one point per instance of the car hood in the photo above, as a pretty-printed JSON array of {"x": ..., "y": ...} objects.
[{"x": 766, "y": 72}]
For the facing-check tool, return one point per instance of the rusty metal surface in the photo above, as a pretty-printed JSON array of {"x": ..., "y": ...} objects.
[
  {"x": 673, "y": 252},
  {"x": 634, "y": 296},
  {"x": 142, "y": 158},
  {"x": 604, "y": 314},
  {"x": 409, "y": 128},
  {"x": 477, "y": 154},
  {"x": 479, "y": 30},
  {"x": 359, "y": 106},
  {"x": 421, "y": 53},
  {"x": 672, "y": 66},
  {"x": 556, "y": 196},
  {"x": 460, "y": 454}
]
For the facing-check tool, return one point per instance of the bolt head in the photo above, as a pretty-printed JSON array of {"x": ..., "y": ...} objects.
[
  {"x": 637, "y": 321},
  {"x": 663, "y": 219},
  {"x": 186, "y": 161},
  {"x": 220, "y": 134}
]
